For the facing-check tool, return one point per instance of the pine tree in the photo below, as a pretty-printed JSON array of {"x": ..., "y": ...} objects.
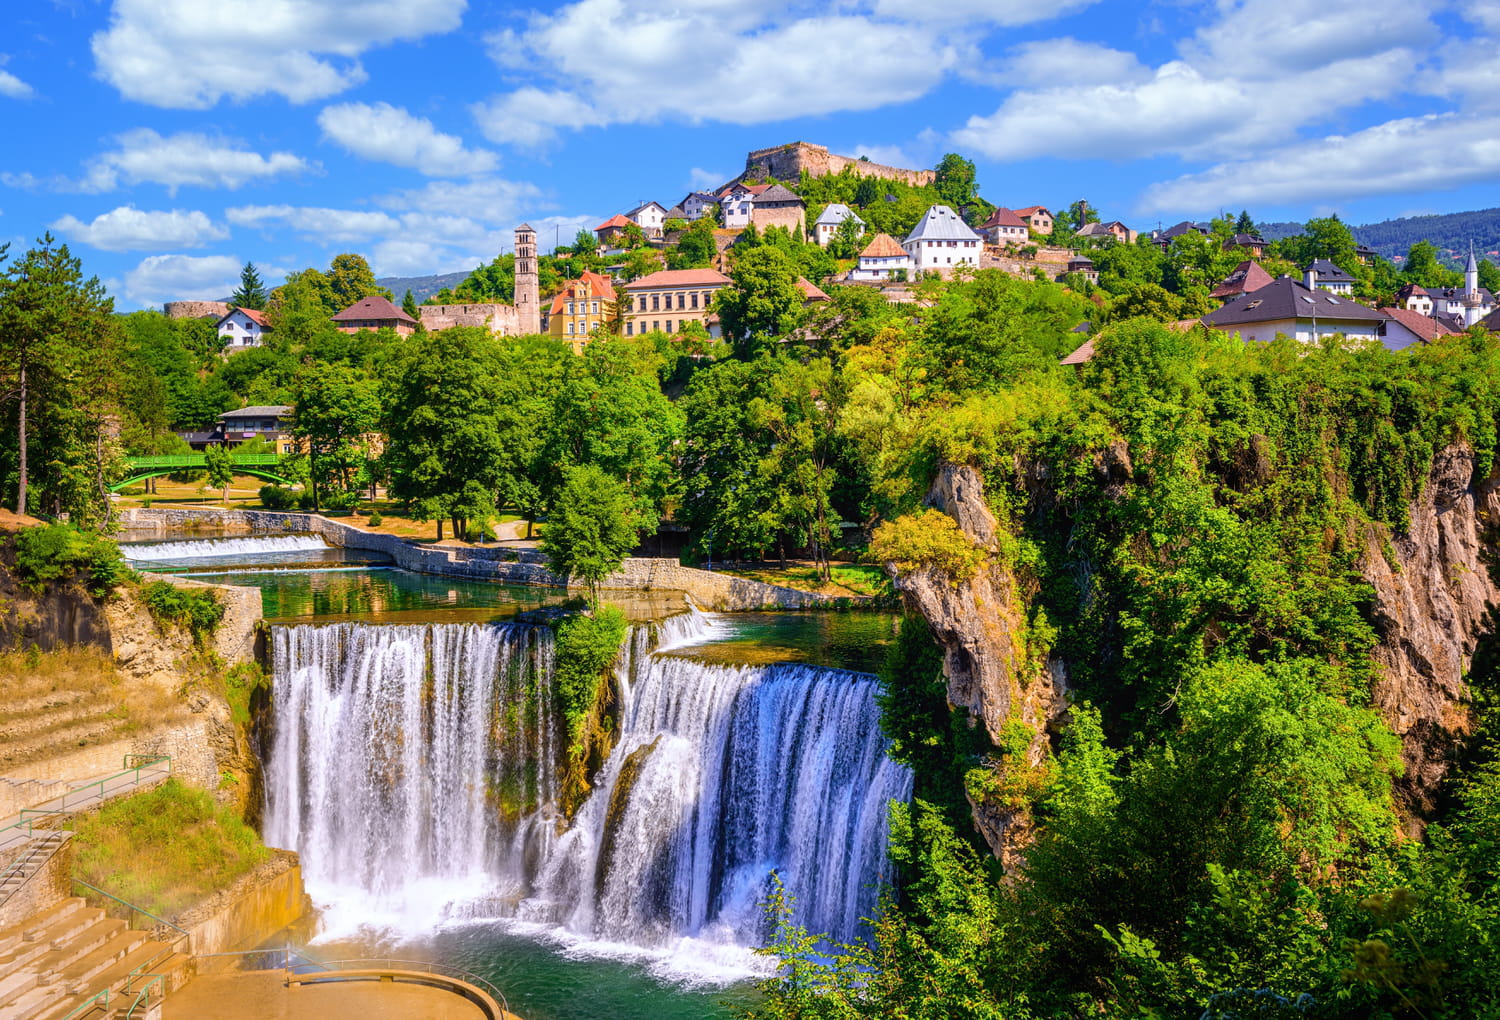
[
  {"x": 409, "y": 305},
  {"x": 1244, "y": 225},
  {"x": 252, "y": 292}
]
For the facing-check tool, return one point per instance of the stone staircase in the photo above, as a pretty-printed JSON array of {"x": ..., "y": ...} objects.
[
  {"x": 60, "y": 958},
  {"x": 31, "y": 859}
]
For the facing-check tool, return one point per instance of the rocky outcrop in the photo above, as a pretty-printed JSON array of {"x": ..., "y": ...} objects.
[
  {"x": 980, "y": 624},
  {"x": 1433, "y": 594}
]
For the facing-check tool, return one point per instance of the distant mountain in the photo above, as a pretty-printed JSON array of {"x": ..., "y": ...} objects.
[
  {"x": 421, "y": 287},
  {"x": 1451, "y": 233}
]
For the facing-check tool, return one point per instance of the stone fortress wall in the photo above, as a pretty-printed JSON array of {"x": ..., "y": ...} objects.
[
  {"x": 786, "y": 163},
  {"x": 502, "y": 320},
  {"x": 195, "y": 309}
]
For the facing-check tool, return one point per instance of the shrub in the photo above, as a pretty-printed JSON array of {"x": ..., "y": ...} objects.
[
  {"x": 277, "y": 497},
  {"x": 586, "y": 648},
  {"x": 197, "y": 609},
  {"x": 305, "y": 501},
  {"x": 341, "y": 500},
  {"x": 55, "y": 552},
  {"x": 375, "y": 519},
  {"x": 928, "y": 539}
]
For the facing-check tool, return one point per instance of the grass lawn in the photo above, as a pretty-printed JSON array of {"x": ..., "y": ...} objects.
[
  {"x": 848, "y": 579},
  {"x": 165, "y": 849}
]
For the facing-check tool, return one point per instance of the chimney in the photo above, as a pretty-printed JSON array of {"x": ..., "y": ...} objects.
[{"x": 1310, "y": 278}]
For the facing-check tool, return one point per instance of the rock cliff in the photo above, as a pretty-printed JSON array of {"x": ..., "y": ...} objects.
[{"x": 1433, "y": 593}]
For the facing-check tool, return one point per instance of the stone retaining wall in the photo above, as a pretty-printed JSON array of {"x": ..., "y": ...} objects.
[
  {"x": 52, "y": 884},
  {"x": 250, "y": 912},
  {"x": 714, "y": 591}
]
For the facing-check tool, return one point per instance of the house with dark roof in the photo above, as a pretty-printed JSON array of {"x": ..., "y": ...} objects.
[
  {"x": 736, "y": 203},
  {"x": 649, "y": 217},
  {"x": 1324, "y": 275},
  {"x": 882, "y": 259},
  {"x": 779, "y": 206},
  {"x": 1005, "y": 227},
  {"x": 1163, "y": 238},
  {"x": 374, "y": 312},
  {"x": 830, "y": 219},
  {"x": 1288, "y": 307},
  {"x": 240, "y": 329},
  {"x": 1112, "y": 231},
  {"x": 1365, "y": 255},
  {"x": 1247, "y": 277},
  {"x": 1253, "y": 244},
  {"x": 271, "y": 422},
  {"x": 1414, "y": 297},
  {"x": 942, "y": 242},
  {"x": 1469, "y": 303},
  {"x": 697, "y": 203}
]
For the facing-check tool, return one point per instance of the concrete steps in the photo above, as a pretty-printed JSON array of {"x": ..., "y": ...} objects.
[
  {"x": 52, "y": 963},
  {"x": 15, "y": 871}
]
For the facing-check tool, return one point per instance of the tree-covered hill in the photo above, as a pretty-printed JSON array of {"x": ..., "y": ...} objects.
[{"x": 1450, "y": 233}]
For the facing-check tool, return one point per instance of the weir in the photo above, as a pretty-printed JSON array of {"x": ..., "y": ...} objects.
[
  {"x": 415, "y": 768},
  {"x": 216, "y": 547}
]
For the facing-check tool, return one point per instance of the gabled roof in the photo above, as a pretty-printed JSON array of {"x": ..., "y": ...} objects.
[
  {"x": 702, "y": 196},
  {"x": 260, "y": 411},
  {"x": 777, "y": 193},
  {"x": 1247, "y": 241},
  {"x": 1491, "y": 321},
  {"x": 754, "y": 189},
  {"x": 1411, "y": 290},
  {"x": 1185, "y": 227},
  {"x": 1425, "y": 326},
  {"x": 810, "y": 290},
  {"x": 259, "y": 318},
  {"x": 680, "y": 278},
  {"x": 616, "y": 220},
  {"x": 373, "y": 307},
  {"x": 1285, "y": 298},
  {"x": 941, "y": 223},
  {"x": 677, "y": 212},
  {"x": 833, "y": 215},
  {"x": 1095, "y": 230},
  {"x": 1003, "y": 217},
  {"x": 642, "y": 208},
  {"x": 1032, "y": 210},
  {"x": 590, "y": 283},
  {"x": 1247, "y": 276},
  {"x": 883, "y": 246},
  {"x": 1327, "y": 272},
  {"x": 1084, "y": 352}
]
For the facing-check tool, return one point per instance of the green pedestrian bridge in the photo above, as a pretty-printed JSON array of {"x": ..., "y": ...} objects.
[{"x": 261, "y": 465}]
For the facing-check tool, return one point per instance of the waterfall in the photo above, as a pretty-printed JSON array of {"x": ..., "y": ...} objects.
[
  {"x": 199, "y": 548},
  {"x": 418, "y": 763}
]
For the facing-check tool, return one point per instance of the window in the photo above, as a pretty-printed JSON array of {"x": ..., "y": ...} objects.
[
  {"x": 630, "y": 329},
  {"x": 656, "y": 302},
  {"x": 593, "y": 307},
  {"x": 642, "y": 307},
  {"x": 669, "y": 325},
  {"x": 681, "y": 300},
  {"x": 694, "y": 301},
  {"x": 655, "y": 325},
  {"x": 570, "y": 308},
  {"x": 569, "y": 328}
]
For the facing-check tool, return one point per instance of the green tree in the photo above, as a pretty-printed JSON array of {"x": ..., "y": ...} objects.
[
  {"x": 763, "y": 304},
  {"x": 336, "y": 409},
  {"x": 845, "y": 243},
  {"x": 956, "y": 180},
  {"x": 585, "y": 242},
  {"x": 1423, "y": 267},
  {"x": 867, "y": 192},
  {"x": 59, "y": 371},
  {"x": 350, "y": 278},
  {"x": 1244, "y": 225},
  {"x": 1489, "y": 276},
  {"x": 696, "y": 248},
  {"x": 220, "y": 463},
  {"x": 593, "y": 526},
  {"x": 251, "y": 292},
  {"x": 409, "y": 306}
]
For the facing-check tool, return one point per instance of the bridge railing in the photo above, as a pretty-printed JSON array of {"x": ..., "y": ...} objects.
[{"x": 169, "y": 460}]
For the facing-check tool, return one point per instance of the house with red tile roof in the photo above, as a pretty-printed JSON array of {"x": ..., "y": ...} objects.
[
  {"x": 668, "y": 300},
  {"x": 882, "y": 259},
  {"x": 1004, "y": 227},
  {"x": 583, "y": 307},
  {"x": 1037, "y": 218},
  {"x": 1247, "y": 276},
  {"x": 611, "y": 228},
  {"x": 242, "y": 328}
]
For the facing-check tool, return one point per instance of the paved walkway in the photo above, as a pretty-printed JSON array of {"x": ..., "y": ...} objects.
[
  {"x": 263, "y": 995},
  {"x": 82, "y": 797}
]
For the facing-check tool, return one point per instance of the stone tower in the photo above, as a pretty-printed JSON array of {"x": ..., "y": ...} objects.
[
  {"x": 1472, "y": 310},
  {"x": 528, "y": 311}
]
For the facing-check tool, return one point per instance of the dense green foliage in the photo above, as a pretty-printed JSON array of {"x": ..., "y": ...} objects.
[
  {"x": 593, "y": 526},
  {"x": 57, "y": 552},
  {"x": 586, "y": 648},
  {"x": 197, "y": 609},
  {"x": 166, "y": 849}
]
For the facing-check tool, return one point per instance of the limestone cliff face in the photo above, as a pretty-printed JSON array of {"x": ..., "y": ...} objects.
[
  {"x": 981, "y": 626},
  {"x": 1430, "y": 613}
]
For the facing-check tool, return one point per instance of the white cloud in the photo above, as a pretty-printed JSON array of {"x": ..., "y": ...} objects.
[
  {"x": 700, "y": 179},
  {"x": 188, "y": 54},
  {"x": 403, "y": 257},
  {"x": 498, "y": 201},
  {"x": 173, "y": 161},
  {"x": 390, "y": 134},
  {"x": 14, "y": 87},
  {"x": 999, "y": 12},
  {"x": 1404, "y": 156},
  {"x": 635, "y": 61},
  {"x": 1039, "y": 63},
  {"x": 128, "y": 228},
  {"x": 341, "y": 226},
  {"x": 161, "y": 278},
  {"x": 1178, "y": 110},
  {"x": 1268, "y": 37}
]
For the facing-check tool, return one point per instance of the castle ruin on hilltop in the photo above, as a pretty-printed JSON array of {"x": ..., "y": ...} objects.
[{"x": 786, "y": 163}]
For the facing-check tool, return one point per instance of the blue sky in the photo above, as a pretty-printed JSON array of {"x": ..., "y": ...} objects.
[{"x": 169, "y": 141}]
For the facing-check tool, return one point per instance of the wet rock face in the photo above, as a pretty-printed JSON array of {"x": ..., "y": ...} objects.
[{"x": 1430, "y": 612}]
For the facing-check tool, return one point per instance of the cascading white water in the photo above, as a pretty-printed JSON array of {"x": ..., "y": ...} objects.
[
  {"x": 417, "y": 762},
  {"x": 206, "y": 547}
]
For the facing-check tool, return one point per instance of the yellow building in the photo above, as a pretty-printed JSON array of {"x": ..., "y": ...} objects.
[
  {"x": 669, "y": 300},
  {"x": 581, "y": 307}
]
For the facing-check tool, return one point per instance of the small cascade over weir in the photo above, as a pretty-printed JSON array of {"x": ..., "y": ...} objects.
[
  {"x": 215, "y": 547},
  {"x": 415, "y": 769}
]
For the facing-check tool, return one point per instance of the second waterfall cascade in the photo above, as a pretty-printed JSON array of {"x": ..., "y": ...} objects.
[{"x": 414, "y": 768}]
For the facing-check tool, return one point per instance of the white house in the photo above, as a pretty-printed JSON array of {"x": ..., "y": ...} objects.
[
  {"x": 1415, "y": 298},
  {"x": 942, "y": 242},
  {"x": 737, "y": 204},
  {"x": 649, "y": 218},
  {"x": 1324, "y": 275},
  {"x": 697, "y": 203},
  {"x": 882, "y": 259},
  {"x": 1304, "y": 313},
  {"x": 242, "y": 328},
  {"x": 829, "y": 221},
  {"x": 1005, "y": 227}
]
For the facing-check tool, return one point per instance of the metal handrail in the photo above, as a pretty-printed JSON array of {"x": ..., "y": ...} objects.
[
  {"x": 183, "y": 933},
  {"x": 146, "y": 761},
  {"x": 144, "y": 995},
  {"x": 89, "y": 1003},
  {"x": 442, "y": 970}
]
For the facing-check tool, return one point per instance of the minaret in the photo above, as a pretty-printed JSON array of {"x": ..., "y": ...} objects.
[
  {"x": 528, "y": 311},
  {"x": 1471, "y": 289}
]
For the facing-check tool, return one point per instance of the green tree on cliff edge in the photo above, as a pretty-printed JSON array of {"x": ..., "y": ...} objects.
[{"x": 593, "y": 526}]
